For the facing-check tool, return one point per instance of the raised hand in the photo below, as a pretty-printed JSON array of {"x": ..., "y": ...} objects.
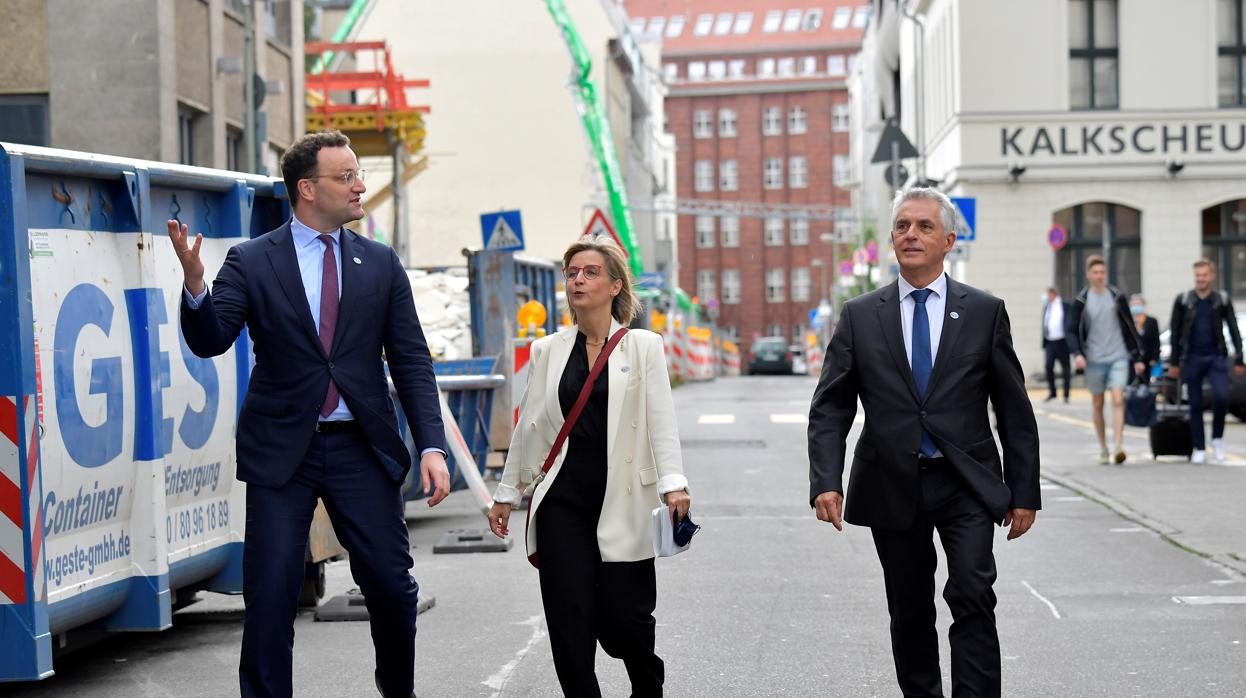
[{"x": 188, "y": 255}]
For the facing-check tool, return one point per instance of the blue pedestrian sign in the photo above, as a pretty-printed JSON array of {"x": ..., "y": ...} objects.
[
  {"x": 502, "y": 231},
  {"x": 651, "y": 279},
  {"x": 967, "y": 217}
]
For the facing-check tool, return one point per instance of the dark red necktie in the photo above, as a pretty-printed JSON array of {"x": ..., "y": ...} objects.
[{"x": 328, "y": 317}]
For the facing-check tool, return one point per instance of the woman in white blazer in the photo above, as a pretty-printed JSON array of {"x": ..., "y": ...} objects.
[{"x": 590, "y": 517}]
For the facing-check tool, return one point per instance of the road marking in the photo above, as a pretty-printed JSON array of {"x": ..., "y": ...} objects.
[
  {"x": 1073, "y": 498},
  {"x": 756, "y": 517},
  {"x": 1042, "y": 598},
  {"x": 1226, "y": 581},
  {"x": 498, "y": 680},
  {"x": 716, "y": 419},
  {"x": 1049, "y": 486},
  {"x": 789, "y": 419},
  {"x": 1129, "y": 529},
  {"x": 1210, "y": 600}
]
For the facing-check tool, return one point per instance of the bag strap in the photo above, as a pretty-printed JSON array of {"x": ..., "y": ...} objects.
[{"x": 582, "y": 400}]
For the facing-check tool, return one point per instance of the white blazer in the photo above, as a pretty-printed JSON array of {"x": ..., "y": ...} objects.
[{"x": 643, "y": 459}]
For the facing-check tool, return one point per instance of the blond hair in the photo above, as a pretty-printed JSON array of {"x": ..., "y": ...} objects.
[
  {"x": 1203, "y": 262},
  {"x": 626, "y": 306}
]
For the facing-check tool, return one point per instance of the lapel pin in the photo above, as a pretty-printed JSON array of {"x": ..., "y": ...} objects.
[
  {"x": 955, "y": 315},
  {"x": 625, "y": 369},
  {"x": 357, "y": 260}
]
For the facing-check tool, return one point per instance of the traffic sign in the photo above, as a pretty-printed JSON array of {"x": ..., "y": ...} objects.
[
  {"x": 896, "y": 178},
  {"x": 651, "y": 279},
  {"x": 1056, "y": 237},
  {"x": 892, "y": 135},
  {"x": 502, "y": 231},
  {"x": 598, "y": 225},
  {"x": 958, "y": 253},
  {"x": 967, "y": 217}
]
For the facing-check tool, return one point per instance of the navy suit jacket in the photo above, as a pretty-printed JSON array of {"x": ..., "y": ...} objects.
[{"x": 259, "y": 286}]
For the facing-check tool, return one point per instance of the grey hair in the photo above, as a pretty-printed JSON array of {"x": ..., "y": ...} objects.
[{"x": 947, "y": 212}]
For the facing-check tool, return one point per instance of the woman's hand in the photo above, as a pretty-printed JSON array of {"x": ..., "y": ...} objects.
[
  {"x": 678, "y": 502},
  {"x": 499, "y": 515}
]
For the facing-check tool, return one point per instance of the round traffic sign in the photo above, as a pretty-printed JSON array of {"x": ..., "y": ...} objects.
[{"x": 1056, "y": 237}]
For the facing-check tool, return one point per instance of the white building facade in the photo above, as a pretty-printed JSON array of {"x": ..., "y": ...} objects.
[{"x": 1122, "y": 122}]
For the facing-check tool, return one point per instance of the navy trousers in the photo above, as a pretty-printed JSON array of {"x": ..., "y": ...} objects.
[
  {"x": 366, "y": 509},
  {"x": 1213, "y": 368}
]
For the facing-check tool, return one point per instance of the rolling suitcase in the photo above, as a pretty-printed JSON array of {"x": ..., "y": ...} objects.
[{"x": 1170, "y": 431}]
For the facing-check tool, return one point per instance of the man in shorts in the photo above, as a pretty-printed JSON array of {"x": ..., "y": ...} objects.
[{"x": 1104, "y": 346}]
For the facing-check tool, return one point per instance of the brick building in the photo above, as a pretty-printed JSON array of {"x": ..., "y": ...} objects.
[{"x": 759, "y": 110}]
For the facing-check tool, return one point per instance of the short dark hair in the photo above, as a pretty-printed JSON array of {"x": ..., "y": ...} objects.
[
  {"x": 301, "y": 158},
  {"x": 1094, "y": 260}
]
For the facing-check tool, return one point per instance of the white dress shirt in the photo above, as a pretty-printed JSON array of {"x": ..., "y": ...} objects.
[
  {"x": 1053, "y": 321},
  {"x": 935, "y": 304}
]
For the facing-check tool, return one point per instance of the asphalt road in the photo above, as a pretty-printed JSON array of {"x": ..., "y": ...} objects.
[{"x": 771, "y": 602}]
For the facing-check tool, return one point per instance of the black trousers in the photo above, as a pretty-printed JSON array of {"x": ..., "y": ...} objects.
[
  {"x": 1215, "y": 370},
  {"x": 908, "y": 560},
  {"x": 589, "y": 601},
  {"x": 1057, "y": 350},
  {"x": 365, "y": 506}
]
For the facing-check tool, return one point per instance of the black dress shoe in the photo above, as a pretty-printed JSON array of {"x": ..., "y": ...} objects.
[
  {"x": 1052, "y": 397},
  {"x": 376, "y": 677}
]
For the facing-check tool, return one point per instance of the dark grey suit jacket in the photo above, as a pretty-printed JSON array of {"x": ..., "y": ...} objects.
[{"x": 975, "y": 362}]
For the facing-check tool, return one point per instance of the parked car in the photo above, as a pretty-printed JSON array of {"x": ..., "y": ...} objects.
[
  {"x": 1237, "y": 384},
  {"x": 799, "y": 366},
  {"x": 769, "y": 355}
]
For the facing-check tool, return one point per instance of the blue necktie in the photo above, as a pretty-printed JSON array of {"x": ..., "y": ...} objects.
[{"x": 921, "y": 357}]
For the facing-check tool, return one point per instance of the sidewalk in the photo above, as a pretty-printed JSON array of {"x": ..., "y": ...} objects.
[{"x": 1201, "y": 508}]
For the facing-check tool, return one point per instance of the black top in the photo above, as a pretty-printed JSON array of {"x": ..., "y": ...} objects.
[
  {"x": 1149, "y": 334},
  {"x": 581, "y": 482},
  {"x": 1202, "y": 337}
]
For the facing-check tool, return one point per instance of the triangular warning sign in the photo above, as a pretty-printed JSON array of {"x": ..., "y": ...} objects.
[
  {"x": 598, "y": 225},
  {"x": 503, "y": 237},
  {"x": 893, "y": 135}
]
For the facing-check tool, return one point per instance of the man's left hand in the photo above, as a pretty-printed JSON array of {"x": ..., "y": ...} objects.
[
  {"x": 678, "y": 502},
  {"x": 1020, "y": 520},
  {"x": 1139, "y": 369},
  {"x": 1239, "y": 370},
  {"x": 434, "y": 477}
]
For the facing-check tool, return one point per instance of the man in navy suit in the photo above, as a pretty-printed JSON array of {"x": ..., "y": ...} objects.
[{"x": 321, "y": 304}]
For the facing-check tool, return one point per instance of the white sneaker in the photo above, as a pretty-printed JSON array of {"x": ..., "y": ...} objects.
[
  {"x": 1104, "y": 457},
  {"x": 1217, "y": 447},
  {"x": 1198, "y": 457}
]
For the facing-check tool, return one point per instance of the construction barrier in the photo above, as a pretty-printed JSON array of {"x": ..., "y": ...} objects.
[{"x": 730, "y": 359}]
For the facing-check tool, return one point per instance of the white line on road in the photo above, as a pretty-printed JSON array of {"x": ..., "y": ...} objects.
[
  {"x": 1209, "y": 600},
  {"x": 1071, "y": 498},
  {"x": 1128, "y": 529},
  {"x": 789, "y": 418},
  {"x": 498, "y": 680},
  {"x": 716, "y": 419},
  {"x": 1042, "y": 598}
]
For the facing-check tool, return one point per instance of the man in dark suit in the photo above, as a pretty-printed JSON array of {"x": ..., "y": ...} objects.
[
  {"x": 321, "y": 304},
  {"x": 1056, "y": 314},
  {"x": 924, "y": 355}
]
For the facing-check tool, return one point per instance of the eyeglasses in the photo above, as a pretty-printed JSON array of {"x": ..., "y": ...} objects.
[
  {"x": 347, "y": 177},
  {"x": 591, "y": 271}
]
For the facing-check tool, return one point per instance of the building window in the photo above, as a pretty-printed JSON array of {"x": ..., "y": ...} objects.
[
  {"x": 861, "y": 17},
  {"x": 726, "y": 123},
  {"x": 1093, "y": 55},
  {"x": 656, "y": 25},
  {"x": 800, "y": 284},
  {"x": 1230, "y": 26},
  {"x": 731, "y": 287},
  {"x": 797, "y": 120},
  {"x": 638, "y": 25},
  {"x": 187, "y": 128},
  {"x": 705, "y": 231},
  {"x": 234, "y": 149},
  {"x": 774, "y": 231},
  {"x": 835, "y": 66},
  {"x": 774, "y": 287},
  {"x": 670, "y": 71},
  {"x": 705, "y": 285},
  {"x": 743, "y": 22},
  {"x": 765, "y": 68},
  {"x": 787, "y": 67},
  {"x": 800, "y": 231},
  {"x": 736, "y": 68},
  {"x": 809, "y": 65},
  {"x": 772, "y": 174},
  {"x": 843, "y": 15},
  {"x": 704, "y": 175},
  {"x": 24, "y": 119},
  {"x": 705, "y": 23},
  {"x": 722, "y": 25},
  {"x": 798, "y": 172},
  {"x": 1224, "y": 243},
  {"x": 1087, "y": 225},
  {"x": 728, "y": 175},
  {"x": 841, "y": 168},
  {"x": 798, "y": 334},
  {"x": 277, "y": 20},
  {"x": 730, "y": 233},
  {"x": 840, "y": 117},
  {"x": 772, "y": 121},
  {"x": 718, "y": 70},
  {"x": 696, "y": 70},
  {"x": 702, "y": 124},
  {"x": 771, "y": 24},
  {"x": 775, "y": 330},
  {"x": 813, "y": 21},
  {"x": 791, "y": 22},
  {"x": 675, "y": 27}
]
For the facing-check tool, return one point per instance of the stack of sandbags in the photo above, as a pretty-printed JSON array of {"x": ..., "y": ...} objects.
[{"x": 445, "y": 311}]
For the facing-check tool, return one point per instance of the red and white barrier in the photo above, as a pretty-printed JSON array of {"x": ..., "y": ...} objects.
[
  {"x": 13, "y": 535},
  {"x": 519, "y": 380}
]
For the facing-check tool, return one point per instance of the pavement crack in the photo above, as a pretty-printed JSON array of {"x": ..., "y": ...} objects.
[{"x": 1054, "y": 611}]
